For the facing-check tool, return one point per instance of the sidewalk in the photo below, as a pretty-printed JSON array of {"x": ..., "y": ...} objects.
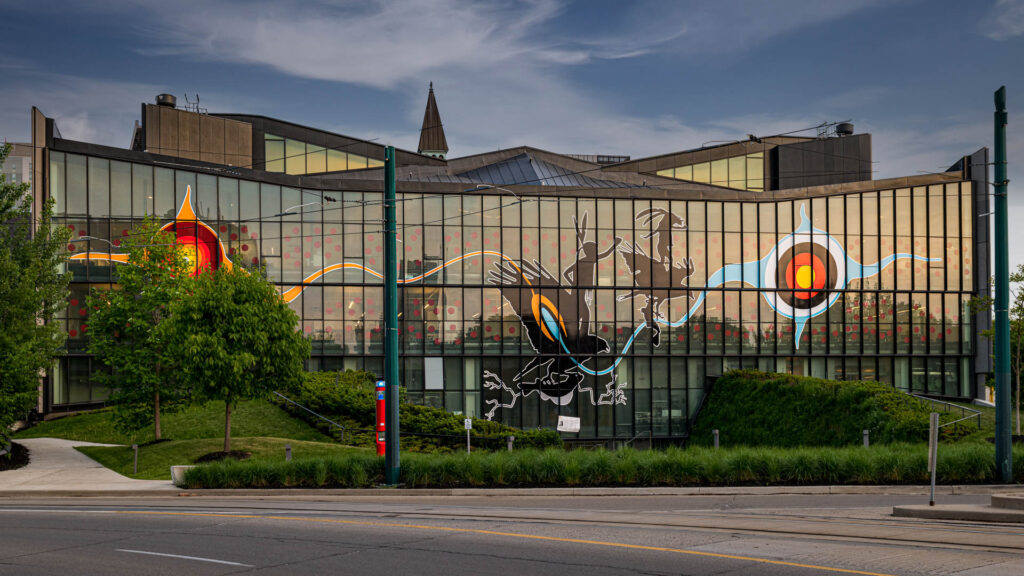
[{"x": 56, "y": 467}]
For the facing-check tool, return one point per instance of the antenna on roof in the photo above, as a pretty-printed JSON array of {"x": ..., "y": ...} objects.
[
  {"x": 834, "y": 129},
  {"x": 194, "y": 106}
]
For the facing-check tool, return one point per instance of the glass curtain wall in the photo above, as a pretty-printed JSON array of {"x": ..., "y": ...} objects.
[
  {"x": 742, "y": 172},
  {"x": 616, "y": 311},
  {"x": 296, "y": 157}
]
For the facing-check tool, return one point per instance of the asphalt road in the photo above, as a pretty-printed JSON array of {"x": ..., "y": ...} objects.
[{"x": 518, "y": 535}]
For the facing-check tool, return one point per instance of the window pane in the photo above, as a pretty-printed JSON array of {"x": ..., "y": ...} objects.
[
  {"x": 274, "y": 150},
  {"x": 336, "y": 161},
  {"x": 356, "y": 162},
  {"x": 720, "y": 172},
  {"x": 57, "y": 178},
  {"x": 76, "y": 195},
  {"x": 228, "y": 203},
  {"x": 164, "y": 192},
  {"x": 702, "y": 172},
  {"x": 142, "y": 190},
  {"x": 120, "y": 189},
  {"x": 295, "y": 157},
  {"x": 316, "y": 160},
  {"x": 99, "y": 187},
  {"x": 738, "y": 172}
]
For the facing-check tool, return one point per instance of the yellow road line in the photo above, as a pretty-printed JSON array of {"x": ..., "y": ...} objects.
[{"x": 509, "y": 534}]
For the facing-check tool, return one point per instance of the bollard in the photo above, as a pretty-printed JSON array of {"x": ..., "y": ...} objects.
[
  {"x": 867, "y": 441},
  {"x": 511, "y": 439},
  {"x": 715, "y": 432},
  {"x": 288, "y": 452},
  {"x": 135, "y": 466}
]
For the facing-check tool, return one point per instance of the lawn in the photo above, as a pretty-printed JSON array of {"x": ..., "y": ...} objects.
[
  {"x": 257, "y": 426},
  {"x": 248, "y": 419},
  {"x": 155, "y": 460}
]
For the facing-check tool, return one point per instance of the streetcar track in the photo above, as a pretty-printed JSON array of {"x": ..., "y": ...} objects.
[{"x": 927, "y": 527}]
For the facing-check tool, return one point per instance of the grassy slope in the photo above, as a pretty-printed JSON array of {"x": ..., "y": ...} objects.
[
  {"x": 249, "y": 418},
  {"x": 257, "y": 426},
  {"x": 155, "y": 460},
  {"x": 767, "y": 409}
]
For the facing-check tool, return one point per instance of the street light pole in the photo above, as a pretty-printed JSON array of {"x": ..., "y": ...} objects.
[
  {"x": 391, "y": 438},
  {"x": 1004, "y": 452}
]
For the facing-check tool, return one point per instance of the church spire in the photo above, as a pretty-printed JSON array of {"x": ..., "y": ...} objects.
[{"x": 432, "y": 140}]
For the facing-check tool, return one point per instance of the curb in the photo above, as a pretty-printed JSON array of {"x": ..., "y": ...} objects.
[
  {"x": 898, "y": 490},
  {"x": 961, "y": 513}
]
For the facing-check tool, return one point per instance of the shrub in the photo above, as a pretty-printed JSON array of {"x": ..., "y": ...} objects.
[
  {"x": 349, "y": 399},
  {"x": 768, "y": 409},
  {"x": 890, "y": 464}
]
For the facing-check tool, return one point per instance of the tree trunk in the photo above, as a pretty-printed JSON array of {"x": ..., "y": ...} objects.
[
  {"x": 227, "y": 426},
  {"x": 156, "y": 406},
  {"x": 156, "y": 415}
]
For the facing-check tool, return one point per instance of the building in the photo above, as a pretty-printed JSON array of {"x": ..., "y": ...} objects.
[
  {"x": 535, "y": 284},
  {"x": 17, "y": 168}
]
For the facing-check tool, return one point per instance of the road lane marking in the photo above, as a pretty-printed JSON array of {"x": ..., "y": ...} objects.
[
  {"x": 185, "y": 557},
  {"x": 509, "y": 535}
]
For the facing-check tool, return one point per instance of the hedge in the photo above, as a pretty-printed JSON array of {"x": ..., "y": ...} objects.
[
  {"x": 754, "y": 408},
  {"x": 892, "y": 464},
  {"x": 349, "y": 398}
]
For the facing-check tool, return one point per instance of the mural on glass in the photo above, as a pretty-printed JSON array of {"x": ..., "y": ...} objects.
[{"x": 554, "y": 303}]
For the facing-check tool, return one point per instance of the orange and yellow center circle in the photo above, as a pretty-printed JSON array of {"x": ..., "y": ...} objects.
[
  {"x": 805, "y": 273},
  {"x": 190, "y": 252},
  {"x": 805, "y": 277}
]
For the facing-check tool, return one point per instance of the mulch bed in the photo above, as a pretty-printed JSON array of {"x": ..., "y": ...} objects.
[
  {"x": 16, "y": 459},
  {"x": 218, "y": 456}
]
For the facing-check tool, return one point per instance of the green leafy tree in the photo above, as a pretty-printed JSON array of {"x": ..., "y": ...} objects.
[
  {"x": 32, "y": 289},
  {"x": 1017, "y": 333},
  {"x": 233, "y": 337},
  {"x": 985, "y": 304},
  {"x": 126, "y": 334}
]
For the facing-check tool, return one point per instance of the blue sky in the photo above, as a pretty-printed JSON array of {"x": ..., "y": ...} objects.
[{"x": 636, "y": 78}]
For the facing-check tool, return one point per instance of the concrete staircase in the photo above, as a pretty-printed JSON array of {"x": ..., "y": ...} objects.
[{"x": 1004, "y": 508}]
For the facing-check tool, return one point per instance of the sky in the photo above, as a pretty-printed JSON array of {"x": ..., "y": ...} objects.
[{"x": 588, "y": 77}]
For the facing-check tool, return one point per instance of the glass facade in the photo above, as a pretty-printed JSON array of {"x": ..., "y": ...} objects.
[
  {"x": 295, "y": 157},
  {"x": 616, "y": 311},
  {"x": 742, "y": 172}
]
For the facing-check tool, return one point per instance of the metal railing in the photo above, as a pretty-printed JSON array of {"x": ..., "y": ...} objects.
[
  {"x": 324, "y": 418},
  {"x": 946, "y": 408},
  {"x": 649, "y": 435}
]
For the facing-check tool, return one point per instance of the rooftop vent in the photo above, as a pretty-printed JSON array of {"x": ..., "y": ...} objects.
[
  {"x": 844, "y": 129},
  {"x": 166, "y": 100}
]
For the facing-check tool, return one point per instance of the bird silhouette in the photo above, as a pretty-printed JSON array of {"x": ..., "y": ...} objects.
[{"x": 549, "y": 314}]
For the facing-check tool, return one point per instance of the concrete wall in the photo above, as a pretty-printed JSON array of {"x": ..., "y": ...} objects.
[{"x": 195, "y": 136}]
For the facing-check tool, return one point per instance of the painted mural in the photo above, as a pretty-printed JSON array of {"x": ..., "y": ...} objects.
[{"x": 799, "y": 278}]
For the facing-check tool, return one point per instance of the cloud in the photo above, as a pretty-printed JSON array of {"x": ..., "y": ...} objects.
[
  {"x": 86, "y": 109},
  {"x": 857, "y": 98},
  {"x": 498, "y": 66},
  {"x": 732, "y": 26},
  {"x": 379, "y": 43},
  {"x": 1004, "y": 20}
]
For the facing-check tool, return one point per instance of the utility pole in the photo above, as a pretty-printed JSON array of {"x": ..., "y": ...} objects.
[
  {"x": 1004, "y": 452},
  {"x": 391, "y": 447}
]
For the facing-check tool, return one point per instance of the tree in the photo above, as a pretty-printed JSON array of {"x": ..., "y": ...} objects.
[
  {"x": 1017, "y": 333},
  {"x": 125, "y": 328},
  {"x": 233, "y": 337},
  {"x": 1016, "y": 316},
  {"x": 32, "y": 289}
]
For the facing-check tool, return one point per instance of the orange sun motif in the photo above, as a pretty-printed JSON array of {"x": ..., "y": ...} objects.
[{"x": 202, "y": 248}]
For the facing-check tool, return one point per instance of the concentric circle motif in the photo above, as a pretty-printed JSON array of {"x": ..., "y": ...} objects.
[
  {"x": 806, "y": 270},
  {"x": 200, "y": 245}
]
